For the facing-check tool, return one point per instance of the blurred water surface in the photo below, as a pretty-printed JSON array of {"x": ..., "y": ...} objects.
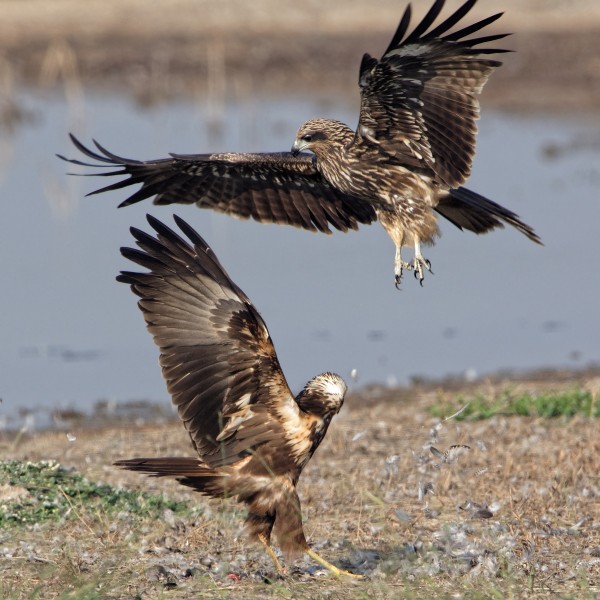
[{"x": 71, "y": 335}]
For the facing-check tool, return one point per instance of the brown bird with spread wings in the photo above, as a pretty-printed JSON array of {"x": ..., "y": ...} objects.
[
  {"x": 406, "y": 161},
  {"x": 253, "y": 438}
]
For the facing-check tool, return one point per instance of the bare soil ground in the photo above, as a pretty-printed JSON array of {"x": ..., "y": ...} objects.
[
  {"x": 518, "y": 515},
  {"x": 161, "y": 50}
]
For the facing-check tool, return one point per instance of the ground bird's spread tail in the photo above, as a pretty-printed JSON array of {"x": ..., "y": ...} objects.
[
  {"x": 252, "y": 436},
  {"x": 410, "y": 154},
  {"x": 187, "y": 471}
]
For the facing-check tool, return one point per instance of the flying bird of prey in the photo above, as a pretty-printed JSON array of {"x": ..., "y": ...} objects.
[
  {"x": 252, "y": 437},
  {"x": 407, "y": 160}
]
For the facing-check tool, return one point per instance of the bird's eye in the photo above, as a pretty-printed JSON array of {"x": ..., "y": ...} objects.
[{"x": 307, "y": 138}]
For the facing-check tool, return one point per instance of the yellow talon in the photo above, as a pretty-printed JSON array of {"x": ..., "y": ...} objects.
[
  {"x": 272, "y": 554},
  {"x": 335, "y": 570}
]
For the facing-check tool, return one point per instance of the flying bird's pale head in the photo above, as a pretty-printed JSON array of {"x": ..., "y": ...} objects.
[{"x": 321, "y": 135}]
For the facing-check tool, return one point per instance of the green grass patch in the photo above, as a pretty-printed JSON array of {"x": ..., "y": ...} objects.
[
  {"x": 34, "y": 492},
  {"x": 548, "y": 405}
]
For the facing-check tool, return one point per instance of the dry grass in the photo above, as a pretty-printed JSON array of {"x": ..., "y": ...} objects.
[{"x": 363, "y": 506}]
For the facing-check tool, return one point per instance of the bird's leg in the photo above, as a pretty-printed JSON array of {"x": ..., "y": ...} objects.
[
  {"x": 399, "y": 265},
  {"x": 335, "y": 570},
  {"x": 420, "y": 262},
  {"x": 271, "y": 553}
]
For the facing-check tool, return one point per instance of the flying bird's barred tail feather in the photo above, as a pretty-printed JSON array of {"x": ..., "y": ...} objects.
[{"x": 468, "y": 210}]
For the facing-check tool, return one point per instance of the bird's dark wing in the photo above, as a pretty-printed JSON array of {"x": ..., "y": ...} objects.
[
  {"x": 271, "y": 188},
  {"x": 215, "y": 351},
  {"x": 419, "y": 102}
]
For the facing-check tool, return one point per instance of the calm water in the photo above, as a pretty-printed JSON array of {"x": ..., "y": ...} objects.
[{"x": 71, "y": 335}]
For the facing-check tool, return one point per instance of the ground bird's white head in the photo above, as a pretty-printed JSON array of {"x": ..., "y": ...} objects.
[
  {"x": 321, "y": 135},
  {"x": 323, "y": 394}
]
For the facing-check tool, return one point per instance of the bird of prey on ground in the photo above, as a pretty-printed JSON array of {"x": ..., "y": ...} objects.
[
  {"x": 407, "y": 160},
  {"x": 252, "y": 437}
]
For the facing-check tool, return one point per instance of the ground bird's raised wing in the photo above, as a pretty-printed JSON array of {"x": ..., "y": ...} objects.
[
  {"x": 419, "y": 101},
  {"x": 269, "y": 187},
  {"x": 216, "y": 354},
  {"x": 252, "y": 437}
]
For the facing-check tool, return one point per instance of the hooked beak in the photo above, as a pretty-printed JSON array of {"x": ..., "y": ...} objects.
[{"x": 297, "y": 147}]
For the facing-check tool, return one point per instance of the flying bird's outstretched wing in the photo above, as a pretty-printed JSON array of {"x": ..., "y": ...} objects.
[
  {"x": 269, "y": 187},
  {"x": 419, "y": 102},
  {"x": 215, "y": 351}
]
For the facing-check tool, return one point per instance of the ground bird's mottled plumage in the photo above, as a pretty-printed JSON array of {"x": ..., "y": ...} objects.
[
  {"x": 407, "y": 160},
  {"x": 253, "y": 438}
]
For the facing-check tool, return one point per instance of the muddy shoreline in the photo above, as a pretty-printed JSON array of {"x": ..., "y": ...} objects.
[{"x": 107, "y": 415}]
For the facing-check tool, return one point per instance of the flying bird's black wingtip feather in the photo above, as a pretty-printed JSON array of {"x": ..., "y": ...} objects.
[
  {"x": 426, "y": 22},
  {"x": 531, "y": 234},
  {"x": 87, "y": 151},
  {"x": 420, "y": 34},
  {"x": 401, "y": 30},
  {"x": 103, "y": 155},
  {"x": 452, "y": 20},
  {"x": 475, "y": 27},
  {"x": 115, "y": 158}
]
